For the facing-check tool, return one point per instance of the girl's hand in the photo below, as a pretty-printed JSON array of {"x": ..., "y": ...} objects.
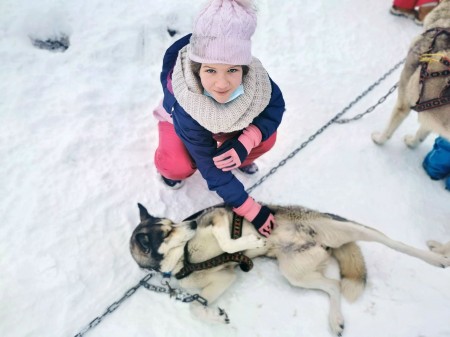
[
  {"x": 232, "y": 153},
  {"x": 260, "y": 216}
]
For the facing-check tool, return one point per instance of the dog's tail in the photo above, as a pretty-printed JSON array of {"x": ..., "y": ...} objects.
[{"x": 353, "y": 270}]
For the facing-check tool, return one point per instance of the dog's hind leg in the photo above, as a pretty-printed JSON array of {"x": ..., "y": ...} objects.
[
  {"x": 316, "y": 280},
  {"x": 341, "y": 232},
  {"x": 304, "y": 269}
]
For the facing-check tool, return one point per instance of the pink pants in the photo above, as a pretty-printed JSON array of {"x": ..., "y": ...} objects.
[
  {"x": 410, "y": 4},
  {"x": 173, "y": 161}
]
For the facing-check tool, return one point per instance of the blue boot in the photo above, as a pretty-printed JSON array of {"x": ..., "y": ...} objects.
[{"x": 437, "y": 161}]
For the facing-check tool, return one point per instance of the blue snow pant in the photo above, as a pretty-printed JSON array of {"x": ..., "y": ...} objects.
[{"x": 437, "y": 161}]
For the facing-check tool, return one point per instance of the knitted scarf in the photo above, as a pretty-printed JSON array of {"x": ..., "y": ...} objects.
[{"x": 221, "y": 117}]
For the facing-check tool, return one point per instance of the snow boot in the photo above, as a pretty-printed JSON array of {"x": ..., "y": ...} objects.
[
  {"x": 437, "y": 161},
  {"x": 172, "y": 184},
  {"x": 402, "y": 12},
  {"x": 249, "y": 169}
]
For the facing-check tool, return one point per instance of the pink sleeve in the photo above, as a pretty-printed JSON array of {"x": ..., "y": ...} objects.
[{"x": 251, "y": 137}]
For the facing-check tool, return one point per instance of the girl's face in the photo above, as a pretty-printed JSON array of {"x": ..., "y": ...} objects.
[{"x": 220, "y": 80}]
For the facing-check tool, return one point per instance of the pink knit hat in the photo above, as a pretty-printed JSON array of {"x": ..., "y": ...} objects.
[{"x": 222, "y": 33}]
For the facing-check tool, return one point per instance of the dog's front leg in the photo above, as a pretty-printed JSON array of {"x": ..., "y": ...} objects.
[
  {"x": 221, "y": 231},
  {"x": 212, "y": 284}
]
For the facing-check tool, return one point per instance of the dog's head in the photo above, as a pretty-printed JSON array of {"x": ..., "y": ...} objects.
[{"x": 154, "y": 237}]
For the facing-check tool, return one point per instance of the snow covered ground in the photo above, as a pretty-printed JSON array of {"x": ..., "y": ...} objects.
[{"x": 77, "y": 139}]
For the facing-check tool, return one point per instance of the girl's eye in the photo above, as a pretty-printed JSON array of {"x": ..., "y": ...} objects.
[
  {"x": 233, "y": 70},
  {"x": 210, "y": 71}
]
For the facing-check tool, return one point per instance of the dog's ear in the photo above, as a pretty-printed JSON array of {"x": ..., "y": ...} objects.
[{"x": 143, "y": 213}]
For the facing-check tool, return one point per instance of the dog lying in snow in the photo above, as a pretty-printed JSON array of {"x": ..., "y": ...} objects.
[{"x": 303, "y": 242}]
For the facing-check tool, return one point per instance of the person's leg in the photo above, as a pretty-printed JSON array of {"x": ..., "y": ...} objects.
[
  {"x": 405, "y": 4},
  {"x": 172, "y": 160},
  {"x": 432, "y": 3}
]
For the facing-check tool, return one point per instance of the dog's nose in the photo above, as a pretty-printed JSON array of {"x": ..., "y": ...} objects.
[{"x": 193, "y": 224}]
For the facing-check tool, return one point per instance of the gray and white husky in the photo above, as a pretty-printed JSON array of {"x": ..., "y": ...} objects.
[
  {"x": 303, "y": 242},
  {"x": 428, "y": 55}
]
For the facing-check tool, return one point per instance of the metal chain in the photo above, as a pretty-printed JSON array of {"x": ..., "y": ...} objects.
[
  {"x": 113, "y": 306},
  {"x": 335, "y": 119},
  {"x": 177, "y": 293},
  {"x": 382, "y": 99},
  {"x": 186, "y": 297},
  {"x": 369, "y": 110}
]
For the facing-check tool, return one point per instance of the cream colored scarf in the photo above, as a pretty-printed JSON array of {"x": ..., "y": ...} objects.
[{"x": 217, "y": 117}]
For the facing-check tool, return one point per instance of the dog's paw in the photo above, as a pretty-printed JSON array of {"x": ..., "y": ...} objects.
[
  {"x": 212, "y": 315},
  {"x": 433, "y": 245},
  {"x": 337, "y": 324},
  {"x": 253, "y": 241},
  {"x": 439, "y": 248},
  {"x": 411, "y": 141},
  {"x": 378, "y": 138}
]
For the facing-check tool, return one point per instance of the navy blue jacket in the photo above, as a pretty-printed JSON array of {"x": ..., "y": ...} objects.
[{"x": 200, "y": 142}]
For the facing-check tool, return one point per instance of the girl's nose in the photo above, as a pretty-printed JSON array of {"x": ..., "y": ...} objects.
[{"x": 222, "y": 83}]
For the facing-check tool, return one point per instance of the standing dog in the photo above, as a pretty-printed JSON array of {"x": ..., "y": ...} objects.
[
  {"x": 419, "y": 87},
  {"x": 303, "y": 242}
]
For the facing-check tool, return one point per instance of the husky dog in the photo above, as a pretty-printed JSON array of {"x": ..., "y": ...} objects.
[
  {"x": 419, "y": 87},
  {"x": 303, "y": 242}
]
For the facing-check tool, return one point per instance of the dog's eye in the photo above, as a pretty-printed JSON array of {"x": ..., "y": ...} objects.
[{"x": 143, "y": 241}]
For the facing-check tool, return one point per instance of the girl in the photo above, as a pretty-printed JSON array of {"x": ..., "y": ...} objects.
[{"x": 220, "y": 109}]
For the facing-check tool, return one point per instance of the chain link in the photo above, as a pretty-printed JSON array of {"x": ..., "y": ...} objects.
[
  {"x": 335, "y": 119},
  {"x": 369, "y": 110},
  {"x": 185, "y": 297},
  {"x": 113, "y": 306},
  {"x": 178, "y": 294}
]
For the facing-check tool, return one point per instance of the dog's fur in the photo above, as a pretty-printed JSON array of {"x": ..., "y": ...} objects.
[
  {"x": 302, "y": 242},
  {"x": 434, "y": 120}
]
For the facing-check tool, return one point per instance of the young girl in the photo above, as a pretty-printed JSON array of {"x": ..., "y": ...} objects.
[{"x": 220, "y": 109}]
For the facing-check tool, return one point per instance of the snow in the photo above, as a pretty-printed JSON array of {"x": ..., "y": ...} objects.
[{"x": 77, "y": 139}]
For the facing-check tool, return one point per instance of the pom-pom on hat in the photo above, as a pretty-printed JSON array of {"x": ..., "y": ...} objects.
[{"x": 222, "y": 33}]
